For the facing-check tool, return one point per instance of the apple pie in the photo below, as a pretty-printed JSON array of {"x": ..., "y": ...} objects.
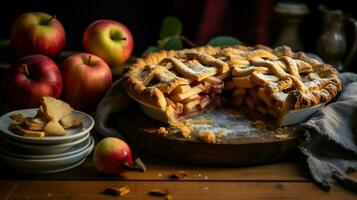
[{"x": 269, "y": 81}]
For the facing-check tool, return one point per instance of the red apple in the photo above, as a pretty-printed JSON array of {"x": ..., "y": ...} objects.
[
  {"x": 109, "y": 40},
  {"x": 111, "y": 156},
  {"x": 86, "y": 78},
  {"x": 31, "y": 78},
  {"x": 37, "y": 33}
]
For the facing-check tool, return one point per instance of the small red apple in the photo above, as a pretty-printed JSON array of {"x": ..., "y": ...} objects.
[
  {"x": 111, "y": 156},
  {"x": 31, "y": 78},
  {"x": 86, "y": 78},
  {"x": 109, "y": 40},
  {"x": 37, "y": 33}
]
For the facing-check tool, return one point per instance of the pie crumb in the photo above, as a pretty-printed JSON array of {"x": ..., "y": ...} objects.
[
  {"x": 163, "y": 131},
  {"x": 185, "y": 131},
  {"x": 207, "y": 137},
  {"x": 220, "y": 133}
]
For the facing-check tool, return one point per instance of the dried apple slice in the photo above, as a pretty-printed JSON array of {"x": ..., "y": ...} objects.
[
  {"x": 191, "y": 98},
  {"x": 191, "y": 106},
  {"x": 55, "y": 109},
  {"x": 193, "y": 91},
  {"x": 18, "y": 117},
  {"x": 29, "y": 124},
  {"x": 72, "y": 120},
  {"x": 54, "y": 128},
  {"x": 204, "y": 102},
  {"x": 27, "y": 133}
]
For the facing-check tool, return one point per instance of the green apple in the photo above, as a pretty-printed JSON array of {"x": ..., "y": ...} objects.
[{"x": 110, "y": 40}]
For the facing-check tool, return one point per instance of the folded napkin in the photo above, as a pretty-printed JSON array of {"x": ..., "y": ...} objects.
[{"x": 329, "y": 138}]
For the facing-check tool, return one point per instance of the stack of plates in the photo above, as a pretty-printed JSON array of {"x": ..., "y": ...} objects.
[{"x": 47, "y": 155}]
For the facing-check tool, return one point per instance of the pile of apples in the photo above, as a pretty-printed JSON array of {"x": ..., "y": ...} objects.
[{"x": 81, "y": 79}]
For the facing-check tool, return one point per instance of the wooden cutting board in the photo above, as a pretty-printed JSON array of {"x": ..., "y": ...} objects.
[{"x": 241, "y": 139}]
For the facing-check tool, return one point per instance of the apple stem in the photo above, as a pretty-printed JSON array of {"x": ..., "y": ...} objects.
[
  {"x": 26, "y": 70},
  {"x": 189, "y": 42},
  {"x": 52, "y": 17},
  {"x": 122, "y": 38},
  {"x": 89, "y": 60}
]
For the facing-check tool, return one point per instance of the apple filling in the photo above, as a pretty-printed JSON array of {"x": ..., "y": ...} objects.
[{"x": 189, "y": 99}]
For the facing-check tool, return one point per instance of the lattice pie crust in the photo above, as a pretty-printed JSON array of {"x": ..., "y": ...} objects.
[{"x": 269, "y": 81}]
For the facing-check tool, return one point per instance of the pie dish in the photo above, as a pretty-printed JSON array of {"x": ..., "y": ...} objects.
[{"x": 273, "y": 82}]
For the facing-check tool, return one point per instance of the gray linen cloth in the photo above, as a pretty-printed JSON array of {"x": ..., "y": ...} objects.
[{"x": 329, "y": 139}]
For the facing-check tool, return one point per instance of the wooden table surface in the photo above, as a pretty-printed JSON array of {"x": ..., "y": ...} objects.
[
  {"x": 287, "y": 179},
  {"x": 283, "y": 180}
]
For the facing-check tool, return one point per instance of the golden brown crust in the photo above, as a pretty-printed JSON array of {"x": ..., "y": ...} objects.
[{"x": 274, "y": 70}]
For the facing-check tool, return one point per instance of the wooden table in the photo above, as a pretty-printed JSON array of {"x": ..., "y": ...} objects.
[
  {"x": 288, "y": 179},
  {"x": 284, "y": 180}
]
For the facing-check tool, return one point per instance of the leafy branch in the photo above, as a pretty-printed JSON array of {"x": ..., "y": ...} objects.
[{"x": 171, "y": 37}]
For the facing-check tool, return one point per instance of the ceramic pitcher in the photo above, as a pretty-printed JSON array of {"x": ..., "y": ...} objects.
[{"x": 332, "y": 44}]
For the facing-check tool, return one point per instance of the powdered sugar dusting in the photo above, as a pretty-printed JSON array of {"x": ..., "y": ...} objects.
[{"x": 228, "y": 124}]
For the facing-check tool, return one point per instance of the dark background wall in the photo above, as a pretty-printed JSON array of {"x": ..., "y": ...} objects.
[{"x": 250, "y": 21}]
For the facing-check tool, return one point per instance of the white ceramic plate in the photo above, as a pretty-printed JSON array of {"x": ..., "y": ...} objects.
[
  {"x": 300, "y": 115},
  {"x": 72, "y": 134},
  {"x": 17, "y": 153},
  {"x": 46, "y": 166},
  {"x": 44, "y": 149},
  {"x": 151, "y": 111}
]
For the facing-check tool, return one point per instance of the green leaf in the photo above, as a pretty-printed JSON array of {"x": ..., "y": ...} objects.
[
  {"x": 171, "y": 43},
  {"x": 5, "y": 43},
  {"x": 150, "y": 49},
  {"x": 223, "y": 40},
  {"x": 171, "y": 26}
]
